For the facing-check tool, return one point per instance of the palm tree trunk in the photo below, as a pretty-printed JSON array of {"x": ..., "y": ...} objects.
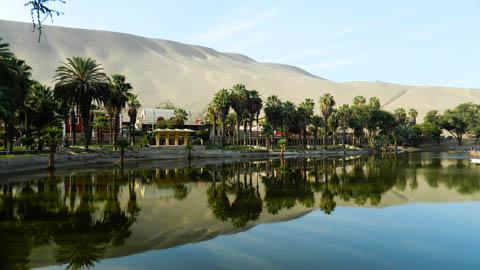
[
  {"x": 223, "y": 132},
  {"x": 85, "y": 112},
  {"x": 258, "y": 132},
  {"x": 315, "y": 137},
  {"x": 116, "y": 130},
  {"x": 73, "y": 127}
]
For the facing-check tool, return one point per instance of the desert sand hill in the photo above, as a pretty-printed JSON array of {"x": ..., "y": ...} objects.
[{"x": 188, "y": 75}]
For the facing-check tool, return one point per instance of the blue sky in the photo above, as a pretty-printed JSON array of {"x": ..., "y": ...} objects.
[{"x": 412, "y": 42}]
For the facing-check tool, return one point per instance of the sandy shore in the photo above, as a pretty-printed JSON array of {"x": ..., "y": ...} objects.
[{"x": 94, "y": 158}]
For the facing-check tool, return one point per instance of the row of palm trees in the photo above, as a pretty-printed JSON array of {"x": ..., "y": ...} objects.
[
  {"x": 81, "y": 87},
  {"x": 247, "y": 105},
  {"x": 364, "y": 120}
]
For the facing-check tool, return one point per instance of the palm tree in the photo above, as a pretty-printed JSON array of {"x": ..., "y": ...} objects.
[
  {"x": 122, "y": 144},
  {"x": 14, "y": 86},
  {"x": 119, "y": 96},
  {"x": 133, "y": 106},
  {"x": 306, "y": 112},
  {"x": 180, "y": 116},
  {"x": 211, "y": 117},
  {"x": 317, "y": 122},
  {"x": 254, "y": 108},
  {"x": 239, "y": 96},
  {"x": 412, "y": 115},
  {"x": 273, "y": 113},
  {"x": 79, "y": 82},
  {"x": 344, "y": 114},
  {"x": 221, "y": 105},
  {"x": 326, "y": 107},
  {"x": 99, "y": 123},
  {"x": 53, "y": 136},
  {"x": 359, "y": 101}
]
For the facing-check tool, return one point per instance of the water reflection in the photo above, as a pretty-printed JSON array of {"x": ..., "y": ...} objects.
[{"x": 79, "y": 216}]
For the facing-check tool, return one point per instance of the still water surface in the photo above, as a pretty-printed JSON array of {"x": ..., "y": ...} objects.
[{"x": 416, "y": 211}]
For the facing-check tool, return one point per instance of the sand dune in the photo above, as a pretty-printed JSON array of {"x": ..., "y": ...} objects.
[{"x": 188, "y": 75}]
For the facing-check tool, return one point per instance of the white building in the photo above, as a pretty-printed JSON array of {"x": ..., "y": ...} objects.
[{"x": 149, "y": 117}]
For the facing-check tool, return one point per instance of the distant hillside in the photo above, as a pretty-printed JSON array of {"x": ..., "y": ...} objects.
[{"x": 188, "y": 75}]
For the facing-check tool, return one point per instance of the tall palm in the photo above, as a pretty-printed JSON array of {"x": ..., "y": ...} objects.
[
  {"x": 317, "y": 122},
  {"x": 344, "y": 115},
  {"x": 14, "y": 87},
  {"x": 412, "y": 115},
  {"x": 306, "y": 112},
  {"x": 255, "y": 105},
  {"x": 81, "y": 81},
  {"x": 326, "y": 107},
  {"x": 273, "y": 112},
  {"x": 239, "y": 95},
  {"x": 211, "y": 117},
  {"x": 133, "y": 106},
  {"x": 222, "y": 102},
  {"x": 119, "y": 96}
]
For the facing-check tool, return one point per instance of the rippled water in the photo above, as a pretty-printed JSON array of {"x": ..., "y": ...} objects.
[{"x": 416, "y": 211}]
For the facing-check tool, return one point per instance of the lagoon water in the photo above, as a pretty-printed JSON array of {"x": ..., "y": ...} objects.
[{"x": 412, "y": 211}]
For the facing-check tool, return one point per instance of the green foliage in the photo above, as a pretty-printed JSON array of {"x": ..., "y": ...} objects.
[
  {"x": 79, "y": 82},
  {"x": 203, "y": 134},
  {"x": 180, "y": 117},
  {"x": 122, "y": 143}
]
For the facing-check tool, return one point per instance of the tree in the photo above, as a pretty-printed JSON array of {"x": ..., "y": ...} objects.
[
  {"x": 221, "y": 106},
  {"x": 99, "y": 123},
  {"x": 282, "y": 144},
  {"x": 39, "y": 109},
  {"x": 40, "y": 11},
  {"x": 359, "y": 101},
  {"x": 255, "y": 105},
  {"x": 122, "y": 144},
  {"x": 239, "y": 96},
  {"x": 305, "y": 113},
  {"x": 180, "y": 116},
  {"x": 317, "y": 122},
  {"x": 456, "y": 121},
  {"x": 53, "y": 136},
  {"x": 273, "y": 112},
  {"x": 344, "y": 116},
  {"x": 79, "y": 82},
  {"x": 14, "y": 87},
  {"x": 412, "y": 116},
  {"x": 119, "y": 96},
  {"x": 133, "y": 106},
  {"x": 326, "y": 107},
  {"x": 289, "y": 118}
]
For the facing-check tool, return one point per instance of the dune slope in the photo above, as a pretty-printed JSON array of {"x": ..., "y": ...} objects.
[{"x": 188, "y": 75}]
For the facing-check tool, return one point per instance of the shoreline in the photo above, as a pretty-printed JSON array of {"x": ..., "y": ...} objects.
[{"x": 169, "y": 155}]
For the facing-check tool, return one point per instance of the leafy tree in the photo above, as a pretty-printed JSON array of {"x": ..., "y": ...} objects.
[
  {"x": 79, "y": 82},
  {"x": 457, "y": 121}
]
